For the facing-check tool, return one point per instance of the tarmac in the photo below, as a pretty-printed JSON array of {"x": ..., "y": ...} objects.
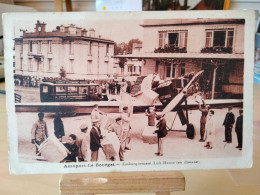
[{"x": 176, "y": 145}]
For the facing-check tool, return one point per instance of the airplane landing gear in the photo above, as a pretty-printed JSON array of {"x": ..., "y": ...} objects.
[{"x": 190, "y": 131}]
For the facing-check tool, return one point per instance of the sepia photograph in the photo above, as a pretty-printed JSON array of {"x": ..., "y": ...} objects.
[{"x": 133, "y": 91}]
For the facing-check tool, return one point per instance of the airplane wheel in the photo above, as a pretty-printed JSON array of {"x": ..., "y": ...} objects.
[{"x": 190, "y": 131}]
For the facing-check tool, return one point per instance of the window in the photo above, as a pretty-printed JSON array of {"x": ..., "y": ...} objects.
[
  {"x": 208, "y": 39},
  {"x": 130, "y": 69},
  {"x": 219, "y": 38},
  {"x": 107, "y": 50},
  {"x": 49, "y": 46},
  {"x": 71, "y": 66},
  {"x": 71, "y": 47},
  {"x": 90, "y": 48},
  {"x": 39, "y": 46},
  {"x": 49, "y": 64},
  {"x": 162, "y": 39},
  {"x": 21, "y": 64},
  {"x": 30, "y": 65},
  {"x": 30, "y": 46},
  {"x": 182, "y": 66},
  {"x": 170, "y": 70},
  {"x": 173, "y": 39}
]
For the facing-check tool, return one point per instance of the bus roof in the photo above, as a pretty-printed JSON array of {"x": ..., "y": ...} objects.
[{"x": 69, "y": 84}]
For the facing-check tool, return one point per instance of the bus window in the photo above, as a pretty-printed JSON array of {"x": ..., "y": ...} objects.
[
  {"x": 44, "y": 89},
  {"x": 60, "y": 89},
  {"x": 83, "y": 90},
  {"x": 72, "y": 89}
]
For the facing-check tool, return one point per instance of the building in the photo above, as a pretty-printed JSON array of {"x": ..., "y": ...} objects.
[
  {"x": 81, "y": 53},
  {"x": 173, "y": 48},
  {"x": 133, "y": 67}
]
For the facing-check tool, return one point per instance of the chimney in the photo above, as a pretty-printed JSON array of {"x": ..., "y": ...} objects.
[
  {"x": 84, "y": 32},
  {"x": 92, "y": 32}
]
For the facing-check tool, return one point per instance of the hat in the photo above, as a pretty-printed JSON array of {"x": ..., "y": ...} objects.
[
  {"x": 83, "y": 126},
  {"x": 158, "y": 116},
  {"x": 40, "y": 114},
  {"x": 95, "y": 105},
  {"x": 151, "y": 107},
  {"x": 240, "y": 111},
  {"x": 118, "y": 119},
  {"x": 230, "y": 107}
]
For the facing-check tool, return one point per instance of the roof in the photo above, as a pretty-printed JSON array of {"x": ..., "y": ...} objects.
[
  {"x": 181, "y": 55},
  {"x": 185, "y": 22}
]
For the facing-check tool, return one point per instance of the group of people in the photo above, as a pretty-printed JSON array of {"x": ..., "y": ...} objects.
[
  {"x": 27, "y": 81},
  {"x": 208, "y": 126},
  {"x": 112, "y": 87},
  {"x": 77, "y": 145}
]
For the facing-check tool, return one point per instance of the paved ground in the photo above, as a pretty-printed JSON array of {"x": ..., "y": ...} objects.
[
  {"x": 176, "y": 144},
  {"x": 29, "y": 94}
]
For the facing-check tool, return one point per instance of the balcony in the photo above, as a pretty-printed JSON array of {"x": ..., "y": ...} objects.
[
  {"x": 223, "y": 50},
  {"x": 170, "y": 49}
]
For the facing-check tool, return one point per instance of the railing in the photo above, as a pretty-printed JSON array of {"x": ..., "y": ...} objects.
[
  {"x": 18, "y": 98},
  {"x": 217, "y": 50},
  {"x": 170, "y": 49}
]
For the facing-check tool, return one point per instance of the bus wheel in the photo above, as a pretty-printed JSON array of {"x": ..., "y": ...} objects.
[{"x": 190, "y": 131}]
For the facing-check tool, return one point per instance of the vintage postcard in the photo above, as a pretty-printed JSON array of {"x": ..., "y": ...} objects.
[{"x": 129, "y": 91}]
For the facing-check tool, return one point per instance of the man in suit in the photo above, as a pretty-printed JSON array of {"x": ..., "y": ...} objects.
[
  {"x": 228, "y": 123},
  {"x": 95, "y": 137},
  {"x": 83, "y": 143},
  {"x": 239, "y": 130},
  {"x": 161, "y": 133}
]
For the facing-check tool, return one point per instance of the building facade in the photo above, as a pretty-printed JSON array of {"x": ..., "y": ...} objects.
[
  {"x": 173, "y": 48},
  {"x": 79, "y": 52}
]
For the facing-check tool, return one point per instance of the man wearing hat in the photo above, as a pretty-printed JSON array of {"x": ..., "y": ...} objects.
[
  {"x": 122, "y": 135},
  {"x": 83, "y": 143},
  {"x": 203, "y": 119},
  {"x": 151, "y": 116},
  {"x": 95, "y": 137},
  {"x": 239, "y": 130},
  {"x": 96, "y": 113},
  {"x": 161, "y": 133},
  {"x": 39, "y": 131},
  {"x": 228, "y": 123}
]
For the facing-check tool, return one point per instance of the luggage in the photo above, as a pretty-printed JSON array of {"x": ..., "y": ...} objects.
[
  {"x": 110, "y": 145},
  {"x": 52, "y": 149}
]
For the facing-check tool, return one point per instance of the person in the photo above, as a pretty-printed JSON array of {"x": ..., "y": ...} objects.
[
  {"x": 204, "y": 113},
  {"x": 228, "y": 123},
  {"x": 83, "y": 143},
  {"x": 161, "y": 133},
  {"x": 72, "y": 149},
  {"x": 210, "y": 130},
  {"x": 96, "y": 113},
  {"x": 239, "y": 130},
  {"x": 95, "y": 139},
  {"x": 58, "y": 127},
  {"x": 126, "y": 127},
  {"x": 151, "y": 116},
  {"x": 118, "y": 88},
  {"x": 122, "y": 135},
  {"x": 39, "y": 131}
]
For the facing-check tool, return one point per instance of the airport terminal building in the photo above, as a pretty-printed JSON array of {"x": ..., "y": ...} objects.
[
  {"x": 173, "y": 48},
  {"x": 81, "y": 53}
]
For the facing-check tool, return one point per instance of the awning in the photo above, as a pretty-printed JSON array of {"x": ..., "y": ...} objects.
[{"x": 181, "y": 55}]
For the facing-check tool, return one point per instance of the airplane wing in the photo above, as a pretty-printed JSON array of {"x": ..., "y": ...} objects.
[{"x": 179, "y": 99}]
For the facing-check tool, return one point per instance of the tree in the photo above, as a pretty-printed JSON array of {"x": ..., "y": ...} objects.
[
  {"x": 62, "y": 73},
  {"x": 126, "y": 48},
  {"x": 122, "y": 62}
]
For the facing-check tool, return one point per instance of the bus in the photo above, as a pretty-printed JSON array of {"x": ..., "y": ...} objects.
[{"x": 69, "y": 91}]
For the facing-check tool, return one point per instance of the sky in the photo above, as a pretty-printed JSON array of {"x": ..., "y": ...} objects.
[{"x": 118, "y": 31}]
